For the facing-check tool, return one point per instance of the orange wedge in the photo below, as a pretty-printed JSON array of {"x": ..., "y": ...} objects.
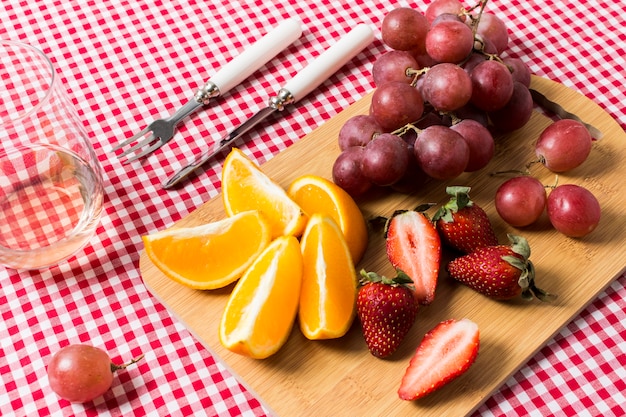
[
  {"x": 212, "y": 255},
  {"x": 246, "y": 187},
  {"x": 262, "y": 308},
  {"x": 329, "y": 281},
  {"x": 316, "y": 194}
]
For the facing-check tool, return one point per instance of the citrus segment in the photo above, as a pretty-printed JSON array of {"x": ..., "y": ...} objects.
[
  {"x": 261, "y": 310},
  {"x": 246, "y": 187},
  {"x": 316, "y": 194},
  {"x": 212, "y": 255},
  {"x": 329, "y": 282}
]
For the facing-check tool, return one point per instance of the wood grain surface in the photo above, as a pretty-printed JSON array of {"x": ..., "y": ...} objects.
[{"x": 340, "y": 377}]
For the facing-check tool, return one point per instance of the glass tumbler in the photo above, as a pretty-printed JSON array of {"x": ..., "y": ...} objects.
[{"x": 51, "y": 189}]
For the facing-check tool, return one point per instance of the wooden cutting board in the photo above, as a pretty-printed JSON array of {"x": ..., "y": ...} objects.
[{"x": 340, "y": 377}]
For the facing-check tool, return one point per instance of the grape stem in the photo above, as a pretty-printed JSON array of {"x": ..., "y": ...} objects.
[
  {"x": 115, "y": 367},
  {"x": 411, "y": 72}
]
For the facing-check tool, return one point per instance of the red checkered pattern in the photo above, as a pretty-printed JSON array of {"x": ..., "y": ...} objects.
[{"x": 128, "y": 62}]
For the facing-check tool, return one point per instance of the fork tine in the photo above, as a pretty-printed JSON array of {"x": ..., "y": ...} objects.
[
  {"x": 149, "y": 150},
  {"x": 138, "y": 145},
  {"x": 131, "y": 139}
]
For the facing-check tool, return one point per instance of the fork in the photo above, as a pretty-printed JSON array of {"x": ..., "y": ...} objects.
[{"x": 161, "y": 131}]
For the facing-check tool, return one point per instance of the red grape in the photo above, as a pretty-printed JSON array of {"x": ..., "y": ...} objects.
[
  {"x": 471, "y": 62},
  {"x": 519, "y": 70},
  {"x": 404, "y": 29},
  {"x": 358, "y": 131},
  {"x": 446, "y": 16},
  {"x": 492, "y": 28},
  {"x": 516, "y": 112},
  {"x": 480, "y": 142},
  {"x": 446, "y": 87},
  {"x": 385, "y": 159},
  {"x": 520, "y": 201},
  {"x": 392, "y": 66},
  {"x": 573, "y": 210},
  {"x": 347, "y": 171},
  {"x": 449, "y": 41},
  {"x": 395, "y": 104},
  {"x": 492, "y": 85},
  {"x": 440, "y": 7},
  {"x": 441, "y": 152},
  {"x": 564, "y": 145},
  {"x": 80, "y": 373},
  {"x": 469, "y": 111}
]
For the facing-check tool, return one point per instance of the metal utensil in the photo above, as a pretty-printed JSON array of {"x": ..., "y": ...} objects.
[
  {"x": 299, "y": 86},
  {"x": 233, "y": 73}
]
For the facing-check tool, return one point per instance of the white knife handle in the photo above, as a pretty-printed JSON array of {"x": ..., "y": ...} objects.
[
  {"x": 250, "y": 60},
  {"x": 329, "y": 62}
]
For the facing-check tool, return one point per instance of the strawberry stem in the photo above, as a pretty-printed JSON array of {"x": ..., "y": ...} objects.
[{"x": 401, "y": 279}]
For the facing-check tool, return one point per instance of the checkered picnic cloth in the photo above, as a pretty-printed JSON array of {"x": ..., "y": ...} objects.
[{"x": 128, "y": 62}]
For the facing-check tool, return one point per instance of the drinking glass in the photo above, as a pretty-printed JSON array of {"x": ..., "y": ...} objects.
[{"x": 51, "y": 189}]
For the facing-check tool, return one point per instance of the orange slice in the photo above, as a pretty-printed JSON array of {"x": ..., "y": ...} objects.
[
  {"x": 212, "y": 255},
  {"x": 262, "y": 308},
  {"x": 329, "y": 281},
  {"x": 316, "y": 194},
  {"x": 246, "y": 187}
]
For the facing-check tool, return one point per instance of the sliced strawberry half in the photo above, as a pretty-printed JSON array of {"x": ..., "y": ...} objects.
[
  {"x": 446, "y": 352},
  {"x": 414, "y": 247}
]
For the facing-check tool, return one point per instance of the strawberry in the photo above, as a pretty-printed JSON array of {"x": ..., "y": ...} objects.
[
  {"x": 501, "y": 272},
  {"x": 463, "y": 224},
  {"x": 387, "y": 309},
  {"x": 414, "y": 247},
  {"x": 446, "y": 351}
]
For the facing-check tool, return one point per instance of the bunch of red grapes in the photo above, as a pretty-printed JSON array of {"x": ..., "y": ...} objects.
[
  {"x": 441, "y": 90},
  {"x": 444, "y": 89}
]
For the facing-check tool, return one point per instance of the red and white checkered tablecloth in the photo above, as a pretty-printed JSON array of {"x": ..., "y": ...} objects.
[{"x": 127, "y": 62}]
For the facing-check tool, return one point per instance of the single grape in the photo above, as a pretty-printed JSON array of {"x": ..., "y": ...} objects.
[
  {"x": 446, "y": 87},
  {"x": 427, "y": 119},
  {"x": 491, "y": 27},
  {"x": 519, "y": 70},
  {"x": 564, "y": 145},
  {"x": 449, "y": 41},
  {"x": 445, "y": 17},
  {"x": 385, "y": 159},
  {"x": 516, "y": 112},
  {"x": 471, "y": 61},
  {"x": 573, "y": 210},
  {"x": 404, "y": 29},
  {"x": 358, "y": 131},
  {"x": 413, "y": 179},
  {"x": 520, "y": 201},
  {"x": 424, "y": 60},
  {"x": 395, "y": 104},
  {"x": 469, "y": 111},
  {"x": 80, "y": 373},
  {"x": 492, "y": 85},
  {"x": 347, "y": 171},
  {"x": 441, "y": 7},
  {"x": 480, "y": 142},
  {"x": 441, "y": 152},
  {"x": 393, "y": 66}
]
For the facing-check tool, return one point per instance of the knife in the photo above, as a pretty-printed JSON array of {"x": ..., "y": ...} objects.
[{"x": 299, "y": 86}]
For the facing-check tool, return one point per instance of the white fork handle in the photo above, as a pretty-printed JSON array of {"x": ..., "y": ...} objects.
[
  {"x": 329, "y": 62},
  {"x": 250, "y": 60}
]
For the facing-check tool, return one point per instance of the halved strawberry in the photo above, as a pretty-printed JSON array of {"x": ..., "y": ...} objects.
[
  {"x": 463, "y": 224},
  {"x": 414, "y": 247},
  {"x": 446, "y": 352}
]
